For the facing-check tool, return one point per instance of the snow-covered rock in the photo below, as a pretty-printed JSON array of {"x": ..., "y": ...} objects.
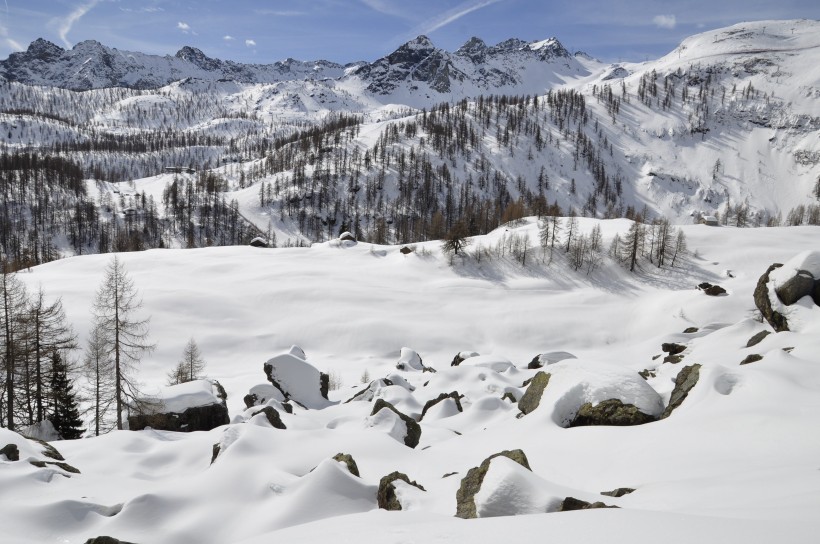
[{"x": 298, "y": 380}]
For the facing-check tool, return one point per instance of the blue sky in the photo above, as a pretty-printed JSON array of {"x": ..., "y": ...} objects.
[{"x": 349, "y": 30}]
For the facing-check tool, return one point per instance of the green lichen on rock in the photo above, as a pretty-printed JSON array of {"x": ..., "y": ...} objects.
[
  {"x": 348, "y": 461},
  {"x": 684, "y": 382},
  {"x": 610, "y": 412},
  {"x": 535, "y": 390}
]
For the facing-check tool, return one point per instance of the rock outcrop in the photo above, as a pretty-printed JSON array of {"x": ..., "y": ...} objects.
[
  {"x": 454, "y": 396},
  {"x": 761, "y": 297},
  {"x": 186, "y": 407},
  {"x": 532, "y": 396},
  {"x": 413, "y": 433},
  {"x": 687, "y": 379},
  {"x": 571, "y": 503},
  {"x": 272, "y": 416},
  {"x": 610, "y": 412},
  {"x": 347, "y": 460},
  {"x": 386, "y": 496}
]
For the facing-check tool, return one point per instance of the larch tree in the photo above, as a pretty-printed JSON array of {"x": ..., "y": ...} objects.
[
  {"x": 125, "y": 334},
  {"x": 190, "y": 367},
  {"x": 13, "y": 301},
  {"x": 98, "y": 368}
]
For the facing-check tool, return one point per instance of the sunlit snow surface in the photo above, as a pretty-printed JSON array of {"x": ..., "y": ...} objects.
[{"x": 737, "y": 462}]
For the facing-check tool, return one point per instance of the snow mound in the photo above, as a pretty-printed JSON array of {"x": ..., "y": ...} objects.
[
  {"x": 807, "y": 260},
  {"x": 508, "y": 489},
  {"x": 552, "y": 357},
  {"x": 573, "y": 384},
  {"x": 493, "y": 362},
  {"x": 180, "y": 397}
]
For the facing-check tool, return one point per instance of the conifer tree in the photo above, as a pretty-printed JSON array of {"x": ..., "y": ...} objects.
[{"x": 64, "y": 414}]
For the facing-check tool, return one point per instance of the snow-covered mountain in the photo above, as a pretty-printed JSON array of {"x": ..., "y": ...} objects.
[{"x": 726, "y": 124}]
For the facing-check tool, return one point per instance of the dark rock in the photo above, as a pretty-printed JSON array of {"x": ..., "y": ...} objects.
[
  {"x": 751, "y": 358},
  {"x": 673, "y": 359},
  {"x": 324, "y": 384},
  {"x": 273, "y": 417},
  {"x": 815, "y": 295},
  {"x": 761, "y": 297},
  {"x": 405, "y": 250},
  {"x": 348, "y": 461},
  {"x": 106, "y": 540},
  {"x": 215, "y": 452},
  {"x": 449, "y": 474},
  {"x": 196, "y": 418},
  {"x": 59, "y": 464},
  {"x": 798, "y": 286},
  {"x": 471, "y": 483},
  {"x": 686, "y": 379},
  {"x": 386, "y": 495},
  {"x": 756, "y": 339},
  {"x": 11, "y": 451},
  {"x": 287, "y": 407},
  {"x": 712, "y": 290},
  {"x": 510, "y": 397},
  {"x": 535, "y": 363},
  {"x": 646, "y": 374},
  {"x": 571, "y": 503},
  {"x": 532, "y": 396},
  {"x": 673, "y": 349},
  {"x": 610, "y": 412},
  {"x": 413, "y": 436},
  {"x": 250, "y": 400},
  {"x": 430, "y": 403},
  {"x": 368, "y": 392},
  {"x": 690, "y": 330},
  {"x": 620, "y": 492}
]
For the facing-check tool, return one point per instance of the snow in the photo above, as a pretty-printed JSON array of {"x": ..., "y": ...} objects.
[
  {"x": 808, "y": 261},
  {"x": 178, "y": 398},
  {"x": 296, "y": 378}
]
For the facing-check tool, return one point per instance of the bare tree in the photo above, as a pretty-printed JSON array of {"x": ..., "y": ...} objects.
[
  {"x": 13, "y": 301},
  {"x": 456, "y": 238},
  {"x": 190, "y": 367},
  {"x": 125, "y": 335},
  {"x": 99, "y": 372}
]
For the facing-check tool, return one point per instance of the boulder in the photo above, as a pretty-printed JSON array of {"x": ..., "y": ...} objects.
[
  {"x": 690, "y": 330},
  {"x": 672, "y": 348},
  {"x": 386, "y": 495},
  {"x": 619, "y": 492},
  {"x": 347, "y": 460},
  {"x": 412, "y": 434},
  {"x": 610, "y": 412},
  {"x": 410, "y": 360},
  {"x": 272, "y": 416},
  {"x": 571, "y": 503},
  {"x": 186, "y": 407},
  {"x": 11, "y": 451},
  {"x": 369, "y": 393},
  {"x": 406, "y": 250},
  {"x": 687, "y": 379},
  {"x": 798, "y": 286},
  {"x": 298, "y": 380},
  {"x": 535, "y": 390},
  {"x": 462, "y": 356},
  {"x": 59, "y": 464},
  {"x": 764, "y": 303},
  {"x": 261, "y": 394},
  {"x": 444, "y": 396},
  {"x": 471, "y": 483},
  {"x": 751, "y": 358},
  {"x": 757, "y": 338},
  {"x": 712, "y": 290}
]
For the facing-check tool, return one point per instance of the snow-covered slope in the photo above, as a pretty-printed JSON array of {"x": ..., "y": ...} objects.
[{"x": 736, "y": 462}]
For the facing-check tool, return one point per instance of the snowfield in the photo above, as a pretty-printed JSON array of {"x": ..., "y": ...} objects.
[{"x": 737, "y": 462}]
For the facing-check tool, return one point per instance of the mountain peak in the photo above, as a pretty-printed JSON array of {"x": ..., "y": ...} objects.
[
  {"x": 196, "y": 57},
  {"x": 419, "y": 42},
  {"x": 43, "y": 49}
]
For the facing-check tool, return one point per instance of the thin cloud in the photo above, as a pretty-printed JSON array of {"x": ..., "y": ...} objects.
[
  {"x": 64, "y": 25},
  {"x": 385, "y": 7},
  {"x": 228, "y": 38},
  {"x": 250, "y": 43},
  {"x": 185, "y": 27},
  {"x": 280, "y": 13},
  {"x": 443, "y": 19},
  {"x": 665, "y": 21},
  {"x": 12, "y": 43}
]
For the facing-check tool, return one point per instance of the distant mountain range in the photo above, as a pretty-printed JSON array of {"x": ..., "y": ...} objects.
[{"x": 92, "y": 65}]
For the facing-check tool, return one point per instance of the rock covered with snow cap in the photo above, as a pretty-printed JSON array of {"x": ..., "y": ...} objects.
[
  {"x": 391, "y": 489},
  {"x": 493, "y": 362},
  {"x": 798, "y": 277},
  {"x": 403, "y": 428},
  {"x": 549, "y": 358},
  {"x": 297, "y": 379},
  {"x": 462, "y": 356},
  {"x": 198, "y": 405},
  {"x": 409, "y": 360}
]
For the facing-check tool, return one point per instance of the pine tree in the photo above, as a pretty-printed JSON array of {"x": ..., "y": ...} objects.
[{"x": 64, "y": 414}]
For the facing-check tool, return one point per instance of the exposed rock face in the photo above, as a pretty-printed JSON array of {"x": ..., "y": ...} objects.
[
  {"x": 757, "y": 338},
  {"x": 11, "y": 451},
  {"x": 348, "y": 461},
  {"x": 610, "y": 412},
  {"x": 272, "y": 416},
  {"x": 687, "y": 379},
  {"x": 368, "y": 393},
  {"x": 764, "y": 304},
  {"x": 532, "y": 396},
  {"x": 798, "y": 286},
  {"x": 571, "y": 503},
  {"x": 386, "y": 495},
  {"x": 59, "y": 464},
  {"x": 430, "y": 403},
  {"x": 197, "y": 418},
  {"x": 413, "y": 435},
  {"x": 673, "y": 349},
  {"x": 751, "y": 358},
  {"x": 471, "y": 483}
]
